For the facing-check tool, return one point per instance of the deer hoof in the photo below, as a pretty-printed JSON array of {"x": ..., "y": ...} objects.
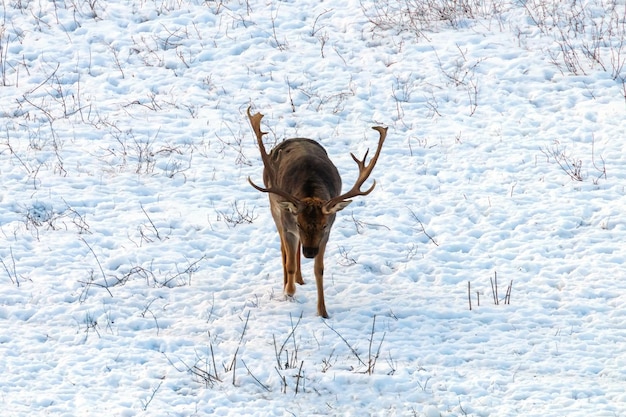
[{"x": 290, "y": 290}]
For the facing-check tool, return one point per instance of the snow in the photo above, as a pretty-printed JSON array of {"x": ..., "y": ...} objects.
[{"x": 141, "y": 273}]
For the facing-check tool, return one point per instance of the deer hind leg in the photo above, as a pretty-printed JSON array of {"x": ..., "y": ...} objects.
[
  {"x": 283, "y": 254},
  {"x": 319, "y": 281}
]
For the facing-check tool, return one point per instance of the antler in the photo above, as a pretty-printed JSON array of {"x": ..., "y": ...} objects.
[
  {"x": 364, "y": 172},
  {"x": 255, "y": 121}
]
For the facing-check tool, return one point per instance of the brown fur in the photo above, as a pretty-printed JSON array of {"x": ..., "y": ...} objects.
[{"x": 304, "y": 190}]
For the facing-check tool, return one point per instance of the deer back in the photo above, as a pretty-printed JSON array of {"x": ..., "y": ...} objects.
[{"x": 302, "y": 168}]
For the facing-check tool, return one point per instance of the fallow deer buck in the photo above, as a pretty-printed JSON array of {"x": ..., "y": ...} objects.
[{"x": 304, "y": 191}]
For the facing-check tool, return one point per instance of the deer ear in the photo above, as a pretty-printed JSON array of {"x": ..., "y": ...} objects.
[
  {"x": 289, "y": 206},
  {"x": 337, "y": 207}
]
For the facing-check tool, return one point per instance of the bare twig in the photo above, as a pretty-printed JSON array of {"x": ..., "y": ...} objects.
[
  {"x": 373, "y": 358},
  {"x": 289, "y": 363},
  {"x": 354, "y": 352},
  {"x": 494, "y": 288},
  {"x": 422, "y": 227},
  {"x": 149, "y": 400},
  {"x": 156, "y": 231},
  {"x": 265, "y": 387},
  {"x": 507, "y": 296},
  {"x": 106, "y": 284},
  {"x": 299, "y": 376}
]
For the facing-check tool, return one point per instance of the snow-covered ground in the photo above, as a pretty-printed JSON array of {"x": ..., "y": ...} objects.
[{"x": 141, "y": 273}]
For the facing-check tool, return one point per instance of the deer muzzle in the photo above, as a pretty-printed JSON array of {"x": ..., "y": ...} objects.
[{"x": 309, "y": 252}]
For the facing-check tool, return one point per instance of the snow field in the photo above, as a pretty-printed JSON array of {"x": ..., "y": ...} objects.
[{"x": 141, "y": 273}]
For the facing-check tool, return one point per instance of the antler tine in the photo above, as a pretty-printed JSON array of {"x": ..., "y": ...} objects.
[
  {"x": 276, "y": 191},
  {"x": 364, "y": 171}
]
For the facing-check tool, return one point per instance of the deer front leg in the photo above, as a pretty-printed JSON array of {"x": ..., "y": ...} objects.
[
  {"x": 291, "y": 265},
  {"x": 299, "y": 279},
  {"x": 319, "y": 281}
]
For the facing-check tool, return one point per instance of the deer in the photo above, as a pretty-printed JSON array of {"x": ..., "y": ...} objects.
[{"x": 304, "y": 189}]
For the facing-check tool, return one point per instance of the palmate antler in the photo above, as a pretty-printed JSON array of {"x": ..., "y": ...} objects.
[
  {"x": 255, "y": 121},
  {"x": 364, "y": 173}
]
